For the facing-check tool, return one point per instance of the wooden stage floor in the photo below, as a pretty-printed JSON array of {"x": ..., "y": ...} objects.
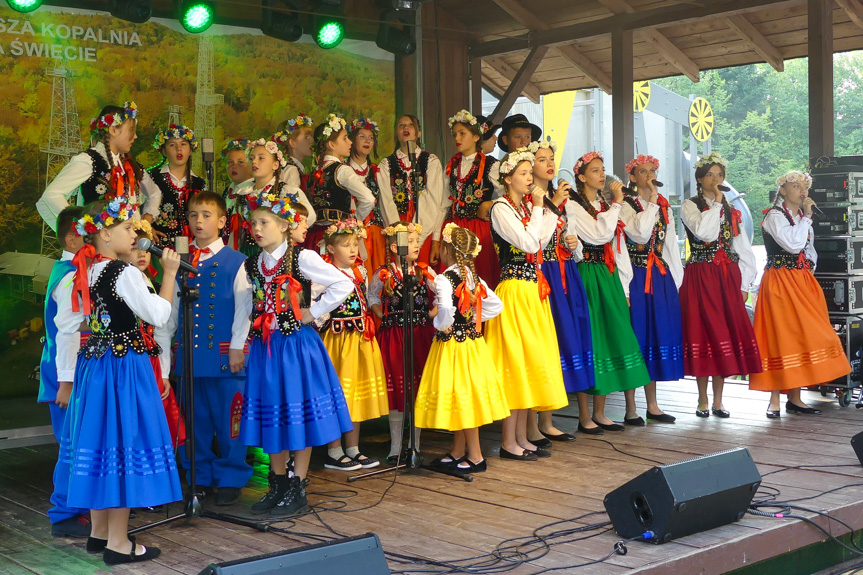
[{"x": 428, "y": 515}]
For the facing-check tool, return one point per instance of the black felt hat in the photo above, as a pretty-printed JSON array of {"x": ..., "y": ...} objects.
[
  {"x": 490, "y": 127},
  {"x": 517, "y": 121}
]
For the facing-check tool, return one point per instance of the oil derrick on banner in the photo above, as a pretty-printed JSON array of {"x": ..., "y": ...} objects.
[
  {"x": 64, "y": 137},
  {"x": 206, "y": 100}
]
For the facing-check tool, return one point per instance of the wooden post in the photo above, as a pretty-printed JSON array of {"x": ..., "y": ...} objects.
[
  {"x": 475, "y": 66},
  {"x": 821, "y": 134},
  {"x": 621, "y": 100}
]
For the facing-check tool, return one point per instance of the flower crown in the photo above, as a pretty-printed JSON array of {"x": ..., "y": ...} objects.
[
  {"x": 270, "y": 146},
  {"x": 409, "y": 227},
  {"x": 334, "y": 124},
  {"x": 447, "y": 237},
  {"x": 118, "y": 210},
  {"x": 711, "y": 158},
  {"x": 534, "y": 147},
  {"x": 513, "y": 159},
  {"x": 641, "y": 159},
  {"x": 586, "y": 159},
  {"x": 345, "y": 227},
  {"x": 144, "y": 227},
  {"x": 274, "y": 203},
  {"x": 794, "y": 176},
  {"x": 174, "y": 131},
  {"x": 130, "y": 110},
  {"x": 295, "y": 124},
  {"x": 364, "y": 124},
  {"x": 235, "y": 144},
  {"x": 468, "y": 119}
]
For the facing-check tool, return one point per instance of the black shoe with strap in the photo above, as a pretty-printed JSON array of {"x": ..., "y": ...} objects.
[
  {"x": 96, "y": 545},
  {"x": 115, "y": 558},
  {"x": 294, "y": 501}
]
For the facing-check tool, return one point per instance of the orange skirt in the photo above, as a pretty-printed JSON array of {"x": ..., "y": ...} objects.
[
  {"x": 376, "y": 246},
  {"x": 796, "y": 339}
]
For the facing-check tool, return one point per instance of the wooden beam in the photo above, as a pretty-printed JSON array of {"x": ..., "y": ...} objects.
[
  {"x": 656, "y": 17},
  {"x": 854, "y": 10},
  {"x": 622, "y": 118},
  {"x": 475, "y": 68},
  {"x": 519, "y": 82},
  {"x": 821, "y": 134},
  {"x": 762, "y": 46},
  {"x": 508, "y": 72}
]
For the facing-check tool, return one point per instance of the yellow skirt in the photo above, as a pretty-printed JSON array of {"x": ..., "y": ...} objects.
[
  {"x": 460, "y": 387},
  {"x": 360, "y": 368},
  {"x": 523, "y": 344}
]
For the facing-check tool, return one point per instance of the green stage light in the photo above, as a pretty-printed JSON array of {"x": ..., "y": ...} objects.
[
  {"x": 197, "y": 16},
  {"x": 24, "y": 5},
  {"x": 330, "y": 34}
]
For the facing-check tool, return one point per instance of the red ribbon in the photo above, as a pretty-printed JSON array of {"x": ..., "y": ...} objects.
[
  {"x": 736, "y": 220},
  {"x": 653, "y": 260},
  {"x": 294, "y": 289},
  {"x": 83, "y": 259},
  {"x": 152, "y": 272},
  {"x": 386, "y": 277},
  {"x": 801, "y": 259},
  {"x": 264, "y": 323},
  {"x": 563, "y": 253},
  {"x": 663, "y": 205},
  {"x": 117, "y": 175},
  {"x": 234, "y": 227},
  {"x": 196, "y": 257},
  {"x": 466, "y": 299},
  {"x": 544, "y": 288}
]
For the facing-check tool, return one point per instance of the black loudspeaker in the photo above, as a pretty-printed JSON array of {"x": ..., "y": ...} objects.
[
  {"x": 361, "y": 555},
  {"x": 857, "y": 444},
  {"x": 686, "y": 497}
]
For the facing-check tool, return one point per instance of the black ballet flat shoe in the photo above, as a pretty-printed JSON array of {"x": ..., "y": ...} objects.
[
  {"x": 773, "y": 414},
  {"x": 636, "y": 421},
  {"x": 609, "y": 426},
  {"x": 471, "y": 467},
  {"x": 722, "y": 413},
  {"x": 590, "y": 430},
  {"x": 558, "y": 437},
  {"x": 96, "y": 545},
  {"x": 661, "y": 417},
  {"x": 453, "y": 461},
  {"x": 540, "y": 452},
  {"x": 526, "y": 456},
  {"x": 541, "y": 442},
  {"x": 794, "y": 408},
  {"x": 702, "y": 413},
  {"x": 113, "y": 558}
]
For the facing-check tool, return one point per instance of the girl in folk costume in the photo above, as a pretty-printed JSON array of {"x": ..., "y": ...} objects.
[
  {"x": 237, "y": 168},
  {"x": 522, "y": 338},
  {"x": 387, "y": 298},
  {"x": 718, "y": 340},
  {"x": 657, "y": 273},
  {"x": 289, "y": 369},
  {"x": 399, "y": 175},
  {"x": 335, "y": 187},
  {"x": 461, "y": 388},
  {"x": 349, "y": 336},
  {"x": 364, "y": 134},
  {"x": 296, "y": 139},
  {"x": 106, "y": 169},
  {"x": 471, "y": 191},
  {"x": 797, "y": 342},
  {"x": 606, "y": 272},
  {"x": 116, "y": 436},
  {"x": 172, "y": 183},
  {"x": 567, "y": 298}
]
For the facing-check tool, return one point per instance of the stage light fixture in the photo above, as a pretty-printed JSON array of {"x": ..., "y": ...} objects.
[
  {"x": 406, "y": 4},
  {"x": 396, "y": 34},
  {"x": 328, "y": 24},
  {"x": 197, "y": 15},
  {"x": 138, "y": 11},
  {"x": 24, "y": 5},
  {"x": 284, "y": 24}
]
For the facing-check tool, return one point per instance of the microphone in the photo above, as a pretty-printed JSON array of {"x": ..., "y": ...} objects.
[
  {"x": 815, "y": 208},
  {"x": 412, "y": 151},
  {"x": 208, "y": 151},
  {"x": 550, "y": 205},
  {"x": 146, "y": 245},
  {"x": 723, "y": 188},
  {"x": 631, "y": 192},
  {"x": 402, "y": 242}
]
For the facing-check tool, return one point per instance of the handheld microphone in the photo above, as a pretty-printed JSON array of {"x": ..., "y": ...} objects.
[
  {"x": 550, "y": 205},
  {"x": 723, "y": 188},
  {"x": 815, "y": 208},
  {"x": 631, "y": 192},
  {"x": 146, "y": 245}
]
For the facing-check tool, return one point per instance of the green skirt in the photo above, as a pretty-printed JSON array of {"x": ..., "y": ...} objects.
[{"x": 617, "y": 360}]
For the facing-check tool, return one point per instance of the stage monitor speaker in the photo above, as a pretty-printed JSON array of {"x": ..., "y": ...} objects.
[
  {"x": 361, "y": 555},
  {"x": 685, "y": 497},
  {"x": 857, "y": 444}
]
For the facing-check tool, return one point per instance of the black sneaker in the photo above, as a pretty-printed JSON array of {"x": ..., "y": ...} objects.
[
  {"x": 343, "y": 463},
  {"x": 78, "y": 527},
  {"x": 277, "y": 491},
  {"x": 294, "y": 501},
  {"x": 227, "y": 495}
]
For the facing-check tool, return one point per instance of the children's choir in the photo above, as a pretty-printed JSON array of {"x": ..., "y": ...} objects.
[{"x": 523, "y": 289}]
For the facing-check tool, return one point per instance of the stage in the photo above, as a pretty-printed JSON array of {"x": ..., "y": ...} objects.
[{"x": 424, "y": 514}]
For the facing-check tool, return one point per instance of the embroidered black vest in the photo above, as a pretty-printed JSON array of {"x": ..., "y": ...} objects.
[
  {"x": 395, "y": 307},
  {"x": 466, "y": 201},
  {"x": 638, "y": 252},
  {"x": 331, "y": 200},
  {"x": 513, "y": 262},
  {"x": 351, "y": 314},
  {"x": 371, "y": 180},
  {"x": 172, "y": 209},
  {"x": 399, "y": 181},
  {"x": 113, "y": 325},
  {"x": 285, "y": 318},
  {"x": 778, "y": 257},
  {"x": 463, "y": 326},
  {"x": 592, "y": 253},
  {"x": 699, "y": 251},
  {"x": 549, "y": 252}
]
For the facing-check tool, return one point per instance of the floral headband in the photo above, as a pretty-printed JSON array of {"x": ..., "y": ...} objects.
[
  {"x": 364, "y": 124},
  {"x": 794, "y": 176},
  {"x": 274, "y": 203},
  {"x": 586, "y": 159},
  {"x": 468, "y": 119},
  {"x": 447, "y": 237},
  {"x": 534, "y": 147},
  {"x": 270, "y": 146},
  {"x": 712, "y": 158},
  {"x": 641, "y": 159},
  {"x": 409, "y": 227},
  {"x": 175, "y": 132},
  {"x": 513, "y": 159},
  {"x": 295, "y": 124},
  {"x": 346, "y": 227},
  {"x": 144, "y": 227},
  {"x": 334, "y": 124},
  {"x": 235, "y": 144},
  {"x": 130, "y": 110},
  {"x": 114, "y": 212}
]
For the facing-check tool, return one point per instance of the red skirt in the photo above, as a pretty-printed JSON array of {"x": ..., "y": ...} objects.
[
  {"x": 718, "y": 338},
  {"x": 486, "y": 262},
  {"x": 425, "y": 251},
  {"x": 390, "y": 340},
  {"x": 176, "y": 423}
]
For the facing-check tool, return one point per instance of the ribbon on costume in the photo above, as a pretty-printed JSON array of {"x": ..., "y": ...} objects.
[
  {"x": 465, "y": 297},
  {"x": 83, "y": 259},
  {"x": 196, "y": 257},
  {"x": 653, "y": 260}
]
